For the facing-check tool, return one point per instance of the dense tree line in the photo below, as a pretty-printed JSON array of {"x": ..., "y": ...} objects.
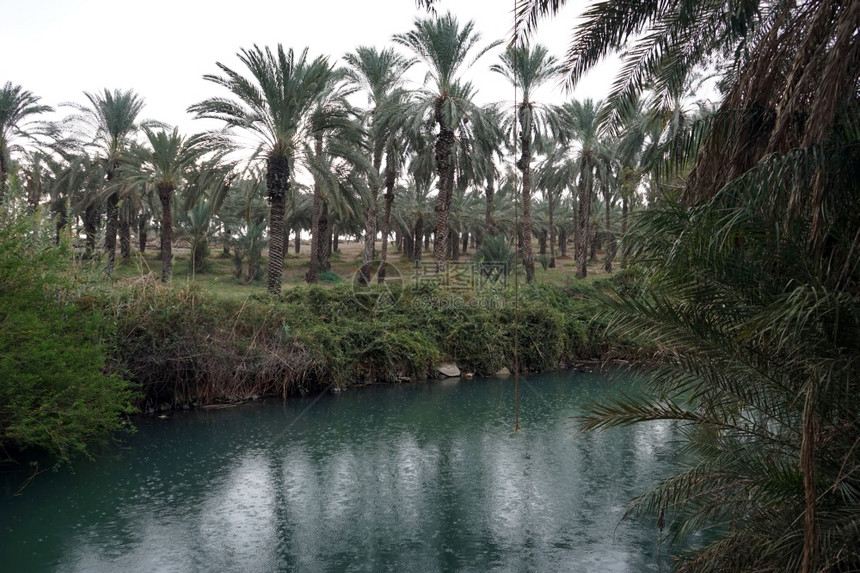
[{"x": 411, "y": 164}]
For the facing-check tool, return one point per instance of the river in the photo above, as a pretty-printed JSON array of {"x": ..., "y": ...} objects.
[{"x": 416, "y": 477}]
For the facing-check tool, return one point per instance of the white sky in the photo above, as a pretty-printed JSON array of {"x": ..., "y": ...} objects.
[{"x": 58, "y": 49}]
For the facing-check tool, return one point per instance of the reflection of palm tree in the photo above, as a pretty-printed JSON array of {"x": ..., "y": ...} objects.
[
  {"x": 274, "y": 105},
  {"x": 444, "y": 47}
]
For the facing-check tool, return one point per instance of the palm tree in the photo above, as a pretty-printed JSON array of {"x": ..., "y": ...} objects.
[
  {"x": 444, "y": 47},
  {"x": 555, "y": 175},
  {"x": 380, "y": 75},
  {"x": 593, "y": 160},
  {"x": 489, "y": 146},
  {"x": 17, "y": 109},
  {"x": 166, "y": 164},
  {"x": 634, "y": 150},
  {"x": 529, "y": 67},
  {"x": 336, "y": 160},
  {"x": 110, "y": 122},
  {"x": 274, "y": 105}
]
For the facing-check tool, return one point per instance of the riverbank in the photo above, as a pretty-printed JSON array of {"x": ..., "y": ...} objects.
[{"x": 183, "y": 347}]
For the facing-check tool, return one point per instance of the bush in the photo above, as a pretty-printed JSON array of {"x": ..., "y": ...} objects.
[{"x": 57, "y": 390}]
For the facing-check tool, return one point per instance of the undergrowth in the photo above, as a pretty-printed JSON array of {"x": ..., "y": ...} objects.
[{"x": 185, "y": 346}]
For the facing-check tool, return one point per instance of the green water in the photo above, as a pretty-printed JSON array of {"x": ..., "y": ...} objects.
[{"x": 392, "y": 478}]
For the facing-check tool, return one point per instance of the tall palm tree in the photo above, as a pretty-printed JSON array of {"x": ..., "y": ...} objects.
[
  {"x": 444, "y": 47},
  {"x": 528, "y": 68},
  {"x": 593, "y": 160},
  {"x": 380, "y": 75},
  {"x": 110, "y": 122},
  {"x": 17, "y": 108},
  {"x": 166, "y": 163},
  {"x": 274, "y": 105}
]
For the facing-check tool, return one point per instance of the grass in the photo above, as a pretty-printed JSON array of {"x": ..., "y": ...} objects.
[{"x": 218, "y": 276}]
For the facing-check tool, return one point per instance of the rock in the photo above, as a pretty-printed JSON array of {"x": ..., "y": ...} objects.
[
  {"x": 449, "y": 370},
  {"x": 404, "y": 379},
  {"x": 468, "y": 375},
  {"x": 503, "y": 373}
]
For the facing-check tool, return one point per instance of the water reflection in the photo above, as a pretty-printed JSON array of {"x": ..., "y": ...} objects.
[{"x": 427, "y": 478}]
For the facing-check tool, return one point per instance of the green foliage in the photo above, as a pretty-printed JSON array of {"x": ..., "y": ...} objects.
[
  {"x": 57, "y": 391},
  {"x": 183, "y": 345},
  {"x": 329, "y": 277},
  {"x": 752, "y": 299},
  {"x": 496, "y": 257}
]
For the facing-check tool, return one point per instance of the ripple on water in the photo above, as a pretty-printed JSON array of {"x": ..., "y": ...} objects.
[{"x": 412, "y": 478}]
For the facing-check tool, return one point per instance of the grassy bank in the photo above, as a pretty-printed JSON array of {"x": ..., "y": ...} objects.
[{"x": 185, "y": 345}]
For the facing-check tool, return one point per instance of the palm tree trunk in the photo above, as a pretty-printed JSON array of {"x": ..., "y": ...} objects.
[
  {"x": 582, "y": 224},
  {"x": 551, "y": 232},
  {"x": 610, "y": 238},
  {"x": 370, "y": 224},
  {"x": 445, "y": 173},
  {"x": 419, "y": 238},
  {"x": 3, "y": 169},
  {"x": 624, "y": 208},
  {"x": 408, "y": 245},
  {"x": 465, "y": 243},
  {"x": 165, "y": 190},
  {"x": 297, "y": 247},
  {"x": 91, "y": 224},
  {"x": 562, "y": 241},
  {"x": 277, "y": 186},
  {"x": 542, "y": 239},
  {"x": 110, "y": 231},
  {"x": 524, "y": 165},
  {"x": 489, "y": 228},
  {"x": 593, "y": 242},
  {"x": 313, "y": 270},
  {"x": 390, "y": 180},
  {"x": 141, "y": 233},
  {"x": 124, "y": 233},
  {"x": 325, "y": 238}
]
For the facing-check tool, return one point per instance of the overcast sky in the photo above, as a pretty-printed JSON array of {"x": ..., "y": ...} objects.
[{"x": 58, "y": 49}]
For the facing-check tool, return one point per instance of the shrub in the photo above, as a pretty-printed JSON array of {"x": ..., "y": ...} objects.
[{"x": 57, "y": 390}]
